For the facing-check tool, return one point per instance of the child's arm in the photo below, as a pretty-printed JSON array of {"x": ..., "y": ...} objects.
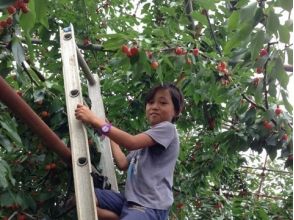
[
  {"x": 130, "y": 142},
  {"x": 119, "y": 157}
]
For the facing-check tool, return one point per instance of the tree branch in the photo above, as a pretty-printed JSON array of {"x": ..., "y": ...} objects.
[{"x": 212, "y": 33}]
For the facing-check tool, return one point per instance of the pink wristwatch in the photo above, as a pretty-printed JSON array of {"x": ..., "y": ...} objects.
[{"x": 105, "y": 128}]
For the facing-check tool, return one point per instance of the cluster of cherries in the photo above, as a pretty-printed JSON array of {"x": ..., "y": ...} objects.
[
  {"x": 262, "y": 53},
  {"x": 134, "y": 51},
  {"x": 19, "y": 5}
]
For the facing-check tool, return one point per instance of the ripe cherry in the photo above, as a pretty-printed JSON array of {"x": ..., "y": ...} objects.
[
  {"x": 21, "y": 217},
  {"x": 125, "y": 49},
  {"x": 9, "y": 21},
  {"x": 48, "y": 167},
  {"x": 149, "y": 54},
  {"x": 255, "y": 81},
  {"x": 24, "y": 8},
  {"x": 53, "y": 166},
  {"x": 180, "y": 205},
  {"x": 44, "y": 114},
  {"x": 11, "y": 10},
  {"x": 221, "y": 66},
  {"x": 86, "y": 41},
  {"x": 3, "y": 24},
  {"x": 195, "y": 52},
  {"x": 259, "y": 70},
  {"x": 19, "y": 93},
  {"x": 179, "y": 51},
  {"x": 134, "y": 51},
  {"x": 278, "y": 111},
  {"x": 263, "y": 52},
  {"x": 154, "y": 65},
  {"x": 284, "y": 137},
  {"x": 268, "y": 125}
]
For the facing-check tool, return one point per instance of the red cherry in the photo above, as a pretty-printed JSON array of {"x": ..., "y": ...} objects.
[
  {"x": 195, "y": 52},
  {"x": 26, "y": 1},
  {"x": 154, "y": 65},
  {"x": 18, "y": 4},
  {"x": 19, "y": 93},
  {"x": 263, "y": 52},
  {"x": 11, "y": 10},
  {"x": 179, "y": 51},
  {"x": 149, "y": 54},
  {"x": 221, "y": 66},
  {"x": 53, "y": 166},
  {"x": 9, "y": 21},
  {"x": 134, "y": 51},
  {"x": 21, "y": 217},
  {"x": 86, "y": 41},
  {"x": 48, "y": 167},
  {"x": 259, "y": 70},
  {"x": 125, "y": 49},
  {"x": 278, "y": 111},
  {"x": 268, "y": 125},
  {"x": 44, "y": 114},
  {"x": 255, "y": 81},
  {"x": 180, "y": 205},
  {"x": 24, "y": 8},
  {"x": 284, "y": 137},
  {"x": 3, "y": 24}
]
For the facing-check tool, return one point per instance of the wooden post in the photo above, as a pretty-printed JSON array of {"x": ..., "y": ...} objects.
[
  {"x": 81, "y": 163},
  {"x": 106, "y": 162}
]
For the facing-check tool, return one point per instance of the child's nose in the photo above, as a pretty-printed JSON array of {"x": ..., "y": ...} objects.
[{"x": 154, "y": 105}]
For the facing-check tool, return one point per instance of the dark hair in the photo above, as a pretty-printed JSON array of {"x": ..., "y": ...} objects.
[{"x": 175, "y": 93}]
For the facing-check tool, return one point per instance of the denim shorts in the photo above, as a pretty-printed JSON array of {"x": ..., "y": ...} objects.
[{"x": 117, "y": 203}]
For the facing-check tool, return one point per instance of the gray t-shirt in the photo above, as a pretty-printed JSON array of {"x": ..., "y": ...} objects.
[{"x": 150, "y": 173}]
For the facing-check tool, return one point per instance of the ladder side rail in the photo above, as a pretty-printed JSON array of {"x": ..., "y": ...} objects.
[
  {"x": 106, "y": 161},
  {"x": 81, "y": 163},
  {"x": 85, "y": 68}
]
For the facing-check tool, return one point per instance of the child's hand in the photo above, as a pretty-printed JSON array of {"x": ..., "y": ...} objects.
[{"x": 84, "y": 114}]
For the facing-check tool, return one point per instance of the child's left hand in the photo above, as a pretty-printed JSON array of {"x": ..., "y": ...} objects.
[{"x": 84, "y": 114}]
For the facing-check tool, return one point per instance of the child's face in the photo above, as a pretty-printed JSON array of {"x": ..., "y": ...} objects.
[{"x": 160, "y": 108}]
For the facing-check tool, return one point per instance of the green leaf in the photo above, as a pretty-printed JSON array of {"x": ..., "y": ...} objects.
[
  {"x": 5, "y": 175},
  {"x": 272, "y": 22},
  {"x": 284, "y": 34},
  {"x": 233, "y": 20},
  {"x": 290, "y": 55},
  {"x": 257, "y": 43},
  {"x": 248, "y": 12},
  {"x": 6, "y": 3},
  {"x": 279, "y": 71},
  {"x": 5, "y": 143},
  {"x": 41, "y": 12},
  {"x": 27, "y": 20},
  {"x": 113, "y": 43},
  {"x": 207, "y": 4},
  {"x": 200, "y": 17},
  {"x": 11, "y": 131},
  {"x": 6, "y": 198},
  {"x": 17, "y": 51},
  {"x": 285, "y": 4},
  {"x": 288, "y": 106},
  {"x": 243, "y": 33}
]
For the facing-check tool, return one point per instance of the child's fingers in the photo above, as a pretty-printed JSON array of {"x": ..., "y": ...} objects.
[{"x": 79, "y": 105}]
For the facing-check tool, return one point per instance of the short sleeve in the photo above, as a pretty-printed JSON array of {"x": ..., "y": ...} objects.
[{"x": 162, "y": 133}]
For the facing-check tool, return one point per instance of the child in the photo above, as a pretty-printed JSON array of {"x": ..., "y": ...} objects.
[{"x": 150, "y": 163}]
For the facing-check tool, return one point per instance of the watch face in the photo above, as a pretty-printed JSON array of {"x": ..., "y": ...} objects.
[{"x": 105, "y": 128}]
